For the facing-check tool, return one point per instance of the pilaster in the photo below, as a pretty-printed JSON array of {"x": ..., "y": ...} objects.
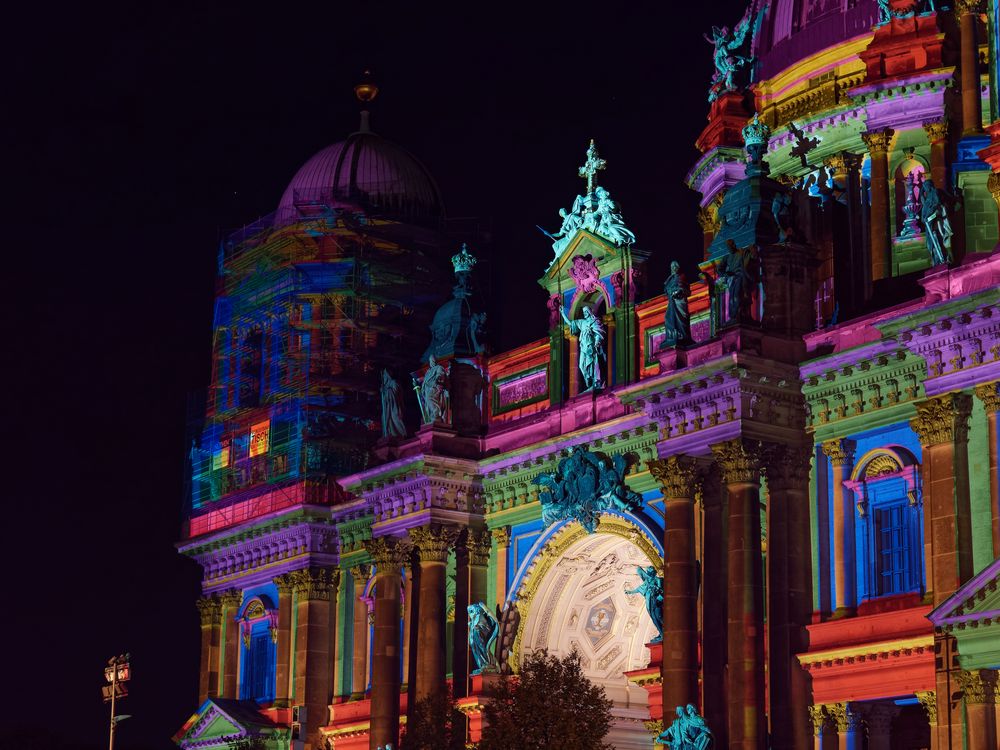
[
  {"x": 359, "y": 633},
  {"x": 283, "y": 676},
  {"x": 230, "y": 601},
  {"x": 210, "y": 611},
  {"x": 878, "y": 143},
  {"x": 314, "y": 588},
  {"x": 841, "y": 455},
  {"x": 990, "y": 397}
]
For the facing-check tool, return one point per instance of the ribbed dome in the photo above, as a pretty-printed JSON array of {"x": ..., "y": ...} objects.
[
  {"x": 795, "y": 29},
  {"x": 365, "y": 170}
]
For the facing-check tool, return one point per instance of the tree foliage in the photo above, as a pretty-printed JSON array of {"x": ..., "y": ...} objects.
[
  {"x": 434, "y": 724},
  {"x": 550, "y": 705}
]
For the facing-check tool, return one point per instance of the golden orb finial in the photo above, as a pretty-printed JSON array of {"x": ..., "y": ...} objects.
[{"x": 366, "y": 90}]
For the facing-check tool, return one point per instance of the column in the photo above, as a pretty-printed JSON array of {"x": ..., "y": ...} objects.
[
  {"x": 841, "y": 455},
  {"x": 878, "y": 718},
  {"x": 972, "y": 116},
  {"x": 389, "y": 554},
  {"x": 408, "y": 609},
  {"x": 738, "y": 462},
  {"x": 359, "y": 634},
  {"x": 928, "y": 702},
  {"x": 987, "y": 393},
  {"x": 850, "y": 728},
  {"x": 979, "y": 687},
  {"x": 284, "y": 645},
  {"x": 230, "y": 601},
  {"x": 501, "y": 538},
  {"x": 431, "y": 544},
  {"x": 824, "y": 736},
  {"x": 313, "y": 674},
  {"x": 789, "y": 594},
  {"x": 713, "y": 609},
  {"x": 677, "y": 477},
  {"x": 470, "y": 587},
  {"x": 878, "y": 142},
  {"x": 937, "y": 137},
  {"x": 210, "y": 610}
]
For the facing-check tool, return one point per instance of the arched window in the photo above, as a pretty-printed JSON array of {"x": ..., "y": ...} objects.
[
  {"x": 258, "y": 657},
  {"x": 889, "y": 523}
]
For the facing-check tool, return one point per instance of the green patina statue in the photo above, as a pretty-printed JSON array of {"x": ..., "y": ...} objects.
[
  {"x": 484, "y": 629},
  {"x": 687, "y": 732},
  {"x": 676, "y": 319},
  {"x": 651, "y": 588},
  {"x": 590, "y": 337}
]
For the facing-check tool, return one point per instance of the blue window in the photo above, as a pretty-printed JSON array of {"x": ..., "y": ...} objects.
[
  {"x": 892, "y": 550},
  {"x": 257, "y": 680}
]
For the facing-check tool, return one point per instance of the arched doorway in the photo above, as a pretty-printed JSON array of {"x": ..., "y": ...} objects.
[{"x": 573, "y": 596}]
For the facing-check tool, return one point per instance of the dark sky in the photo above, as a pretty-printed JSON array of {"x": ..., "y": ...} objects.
[{"x": 134, "y": 136}]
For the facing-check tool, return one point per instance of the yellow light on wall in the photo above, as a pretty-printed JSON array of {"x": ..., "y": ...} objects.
[{"x": 259, "y": 438}]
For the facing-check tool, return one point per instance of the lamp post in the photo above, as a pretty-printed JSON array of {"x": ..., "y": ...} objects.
[{"x": 116, "y": 673}]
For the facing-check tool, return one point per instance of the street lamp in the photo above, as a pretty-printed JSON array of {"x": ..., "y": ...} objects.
[{"x": 117, "y": 672}]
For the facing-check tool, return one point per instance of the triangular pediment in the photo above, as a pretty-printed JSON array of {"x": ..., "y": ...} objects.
[
  {"x": 978, "y": 598},
  {"x": 219, "y": 722},
  {"x": 584, "y": 242}
]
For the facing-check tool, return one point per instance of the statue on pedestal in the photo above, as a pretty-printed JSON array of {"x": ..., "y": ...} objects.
[
  {"x": 687, "y": 732},
  {"x": 432, "y": 392},
  {"x": 483, "y": 631},
  {"x": 737, "y": 271},
  {"x": 392, "y": 407},
  {"x": 726, "y": 57},
  {"x": 651, "y": 588},
  {"x": 677, "y": 319},
  {"x": 937, "y": 228},
  {"x": 590, "y": 335}
]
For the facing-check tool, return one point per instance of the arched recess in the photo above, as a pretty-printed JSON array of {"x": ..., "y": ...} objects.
[
  {"x": 258, "y": 622},
  {"x": 572, "y": 595}
]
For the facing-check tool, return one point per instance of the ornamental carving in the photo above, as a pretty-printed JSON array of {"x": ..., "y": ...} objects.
[
  {"x": 432, "y": 543},
  {"x": 501, "y": 535},
  {"x": 979, "y": 686},
  {"x": 786, "y": 467},
  {"x": 987, "y": 393},
  {"x": 389, "y": 552},
  {"x": 844, "y": 716},
  {"x": 283, "y": 583},
  {"x": 928, "y": 701},
  {"x": 477, "y": 545},
  {"x": 878, "y": 141},
  {"x": 943, "y": 419},
  {"x": 676, "y": 475},
  {"x": 937, "y": 131},
  {"x": 360, "y": 574},
  {"x": 585, "y": 273},
  {"x": 210, "y": 609},
  {"x": 819, "y": 718},
  {"x": 963, "y": 7},
  {"x": 880, "y": 466},
  {"x": 738, "y": 461},
  {"x": 840, "y": 452},
  {"x": 231, "y": 599},
  {"x": 585, "y": 485},
  {"x": 315, "y": 583}
]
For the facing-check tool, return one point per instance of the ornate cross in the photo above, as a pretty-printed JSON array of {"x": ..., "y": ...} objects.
[{"x": 591, "y": 167}]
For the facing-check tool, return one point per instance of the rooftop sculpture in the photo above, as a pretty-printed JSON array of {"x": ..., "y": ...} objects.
[{"x": 728, "y": 57}]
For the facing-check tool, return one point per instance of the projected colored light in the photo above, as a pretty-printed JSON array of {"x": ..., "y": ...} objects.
[{"x": 259, "y": 434}]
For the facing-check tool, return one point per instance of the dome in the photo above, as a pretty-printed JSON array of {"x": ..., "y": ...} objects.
[
  {"x": 365, "y": 170},
  {"x": 795, "y": 29}
]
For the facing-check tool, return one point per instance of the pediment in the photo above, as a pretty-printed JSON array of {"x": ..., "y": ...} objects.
[
  {"x": 219, "y": 722},
  {"x": 977, "y": 599},
  {"x": 584, "y": 242}
]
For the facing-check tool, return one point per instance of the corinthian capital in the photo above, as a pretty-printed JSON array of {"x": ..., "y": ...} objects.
[
  {"x": 937, "y": 130},
  {"x": 786, "y": 467},
  {"x": 388, "y": 552},
  {"x": 878, "y": 141},
  {"x": 501, "y": 535},
  {"x": 477, "y": 544},
  {"x": 962, "y": 7},
  {"x": 676, "y": 475},
  {"x": 942, "y": 419},
  {"x": 433, "y": 542},
  {"x": 314, "y": 583},
  {"x": 928, "y": 701},
  {"x": 210, "y": 609},
  {"x": 979, "y": 686},
  {"x": 231, "y": 599},
  {"x": 738, "y": 461},
  {"x": 987, "y": 393},
  {"x": 839, "y": 451}
]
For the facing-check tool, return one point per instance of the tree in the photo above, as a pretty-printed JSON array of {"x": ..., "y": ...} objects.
[
  {"x": 435, "y": 724},
  {"x": 550, "y": 705}
]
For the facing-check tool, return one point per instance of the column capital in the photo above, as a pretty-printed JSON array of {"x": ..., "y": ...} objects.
[
  {"x": 708, "y": 218},
  {"x": 315, "y": 583},
  {"x": 676, "y": 475},
  {"x": 738, "y": 460},
  {"x": 786, "y": 467},
  {"x": 840, "y": 451},
  {"x": 928, "y": 700},
  {"x": 477, "y": 544},
  {"x": 284, "y": 583},
  {"x": 842, "y": 162},
  {"x": 993, "y": 185},
  {"x": 210, "y": 610},
  {"x": 964, "y": 7},
  {"x": 360, "y": 573},
  {"x": 878, "y": 141},
  {"x": 845, "y": 716},
  {"x": 432, "y": 543},
  {"x": 988, "y": 394},
  {"x": 936, "y": 130},
  {"x": 388, "y": 552},
  {"x": 979, "y": 686},
  {"x": 231, "y": 599},
  {"x": 501, "y": 535},
  {"x": 942, "y": 419},
  {"x": 819, "y": 717}
]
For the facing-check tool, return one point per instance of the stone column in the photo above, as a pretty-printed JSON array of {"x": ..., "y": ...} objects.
[
  {"x": 987, "y": 393},
  {"x": 408, "y": 610},
  {"x": 824, "y": 735},
  {"x": 470, "y": 588},
  {"x": 501, "y": 538},
  {"x": 677, "y": 477},
  {"x": 878, "y": 142},
  {"x": 282, "y": 672},
  {"x": 713, "y": 609},
  {"x": 937, "y": 137},
  {"x": 850, "y": 728},
  {"x": 789, "y": 590},
  {"x": 432, "y": 544},
  {"x": 313, "y": 675},
  {"x": 878, "y": 719},
  {"x": 210, "y": 610},
  {"x": 359, "y": 634},
  {"x": 841, "y": 455},
  {"x": 738, "y": 462},
  {"x": 980, "y": 690},
  {"x": 389, "y": 555},
  {"x": 231, "y": 601},
  {"x": 972, "y": 109}
]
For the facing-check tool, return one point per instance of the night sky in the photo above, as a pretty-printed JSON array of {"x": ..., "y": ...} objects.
[{"x": 135, "y": 137}]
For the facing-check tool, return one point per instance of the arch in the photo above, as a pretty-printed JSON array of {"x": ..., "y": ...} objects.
[{"x": 878, "y": 462}]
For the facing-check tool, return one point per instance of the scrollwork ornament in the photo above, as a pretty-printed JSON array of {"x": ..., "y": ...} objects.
[
  {"x": 738, "y": 461},
  {"x": 844, "y": 715},
  {"x": 676, "y": 476},
  {"x": 942, "y": 419},
  {"x": 928, "y": 701},
  {"x": 819, "y": 717},
  {"x": 283, "y": 583},
  {"x": 963, "y": 7}
]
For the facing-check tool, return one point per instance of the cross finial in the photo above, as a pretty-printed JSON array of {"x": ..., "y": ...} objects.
[{"x": 591, "y": 167}]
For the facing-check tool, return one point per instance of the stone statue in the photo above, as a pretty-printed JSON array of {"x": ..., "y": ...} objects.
[
  {"x": 714, "y": 313},
  {"x": 884, "y": 12},
  {"x": 591, "y": 356},
  {"x": 392, "y": 408},
  {"x": 737, "y": 272},
  {"x": 911, "y": 208},
  {"x": 477, "y": 329},
  {"x": 687, "y": 732},
  {"x": 606, "y": 220},
  {"x": 651, "y": 588},
  {"x": 676, "y": 319},
  {"x": 937, "y": 228},
  {"x": 781, "y": 210},
  {"x": 585, "y": 485},
  {"x": 698, "y": 729},
  {"x": 726, "y": 58},
  {"x": 483, "y": 631},
  {"x": 433, "y": 392}
]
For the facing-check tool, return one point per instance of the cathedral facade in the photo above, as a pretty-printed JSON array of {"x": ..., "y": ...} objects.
[{"x": 799, "y": 436}]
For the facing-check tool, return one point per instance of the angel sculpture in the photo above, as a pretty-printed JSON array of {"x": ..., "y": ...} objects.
[
  {"x": 727, "y": 61},
  {"x": 484, "y": 629},
  {"x": 651, "y": 588},
  {"x": 607, "y": 220}
]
